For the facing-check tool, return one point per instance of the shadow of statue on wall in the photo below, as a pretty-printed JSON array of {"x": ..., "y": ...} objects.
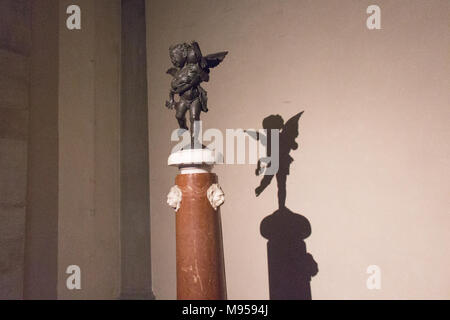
[{"x": 290, "y": 265}]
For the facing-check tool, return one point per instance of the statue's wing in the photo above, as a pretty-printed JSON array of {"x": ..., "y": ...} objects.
[
  {"x": 214, "y": 59},
  {"x": 290, "y": 129},
  {"x": 172, "y": 71}
]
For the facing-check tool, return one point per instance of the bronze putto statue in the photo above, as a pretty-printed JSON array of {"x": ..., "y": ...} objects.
[{"x": 190, "y": 69}]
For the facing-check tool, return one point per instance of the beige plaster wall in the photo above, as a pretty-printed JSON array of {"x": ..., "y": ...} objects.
[{"x": 372, "y": 171}]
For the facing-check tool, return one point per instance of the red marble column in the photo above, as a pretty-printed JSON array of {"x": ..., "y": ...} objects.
[{"x": 200, "y": 266}]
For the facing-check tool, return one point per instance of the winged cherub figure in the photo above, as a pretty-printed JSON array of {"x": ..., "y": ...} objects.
[
  {"x": 288, "y": 134},
  {"x": 190, "y": 69}
]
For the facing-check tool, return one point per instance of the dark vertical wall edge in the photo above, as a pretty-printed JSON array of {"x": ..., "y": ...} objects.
[
  {"x": 41, "y": 237},
  {"x": 135, "y": 206}
]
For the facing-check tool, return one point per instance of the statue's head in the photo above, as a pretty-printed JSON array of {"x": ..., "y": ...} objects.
[
  {"x": 273, "y": 122},
  {"x": 194, "y": 53},
  {"x": 178, "y": 54}
]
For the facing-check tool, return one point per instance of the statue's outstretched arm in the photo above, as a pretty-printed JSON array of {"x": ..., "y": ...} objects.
[{"x": 257, "y": 136}]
